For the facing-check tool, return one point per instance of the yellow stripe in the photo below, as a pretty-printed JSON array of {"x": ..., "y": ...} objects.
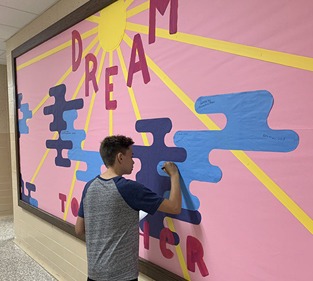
[
  {"x": 140, "y": 8},
  {"x": 55, "y": 50},
  {"x": 179, "y": 252},
  {"x": 94, "y": 19},
  {"x": 281, "y": 58},
  {"x": 252, "y": 167},
  {"x": 131, "y": 94},
  {"x": 146, "y": 143},
  {"x": 46, "y": 97},
  {"x": 282, "y": 197},
  {"x": 55, "y": 134},
  {"x": 111, "y": 97},
  {"x": 43, "y": 159},
  {"x": 69, "y": 196},
  {"x": 91, "y": 104},
  {"x": 94, "y": 94},
  {"x": 65, "y": 75},
  {"x": 128, "y": 3},
  {"x": 94, "y": 41}
]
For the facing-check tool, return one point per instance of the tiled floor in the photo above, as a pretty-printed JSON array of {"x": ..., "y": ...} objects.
[{"x": 15, "y": 264}]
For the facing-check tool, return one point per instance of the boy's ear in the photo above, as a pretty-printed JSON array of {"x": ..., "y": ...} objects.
[{"x": 119, "y": 157}]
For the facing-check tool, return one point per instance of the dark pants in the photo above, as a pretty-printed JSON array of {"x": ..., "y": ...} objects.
[{"x": 129, "y": 280}]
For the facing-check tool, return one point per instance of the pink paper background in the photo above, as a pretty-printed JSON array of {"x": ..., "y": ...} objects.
[{"x": 246, "y": 233}]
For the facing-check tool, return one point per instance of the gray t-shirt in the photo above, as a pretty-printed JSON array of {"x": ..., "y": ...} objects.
[{"x": 110, "y": 211}]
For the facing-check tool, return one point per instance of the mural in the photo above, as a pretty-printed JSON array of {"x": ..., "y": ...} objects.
[{"x": 223, "y": 89}]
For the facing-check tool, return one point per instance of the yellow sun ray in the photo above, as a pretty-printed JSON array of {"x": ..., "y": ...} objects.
[
  {"x": 55, "y": 50},
  {"x": 111, "y": 97},
  {"x": 64, "y": 76},
  {"x": 279, "y": 194},
  {"x": 95, "y": 19},
  {"x": 93, "y": 97},
  {"x": 90, "y": 46},
  {"x": 138, "y": 9},
  {"x": 281, "y": 58},
  {"x": 91, "y": 105},
  {"x": 55, "y": 135},
  {"x": 128, "y": 3},
  {"x": 131, "y": 94},
  {"x": 179, "y": 252},
  {"x": 146, "y": 143}
]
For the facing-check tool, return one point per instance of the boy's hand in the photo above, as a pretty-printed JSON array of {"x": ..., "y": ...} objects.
[{"x": 170, "y": 168}]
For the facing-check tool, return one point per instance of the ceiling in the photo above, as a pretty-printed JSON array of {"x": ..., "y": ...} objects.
[{"x": 15, "y": 14}]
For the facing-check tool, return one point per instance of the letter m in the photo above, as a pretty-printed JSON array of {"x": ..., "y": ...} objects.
[{"x": 162, "y": 5}]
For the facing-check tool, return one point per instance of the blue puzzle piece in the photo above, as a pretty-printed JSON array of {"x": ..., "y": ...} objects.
[
  {"x": 28, "y": 198},
  {"x": 27, "y": 114},
  {"x": 19, "y": 100},
  {"x": 246, "y": 129},
  {"x": 150, "y": 157},
  {"x": 57, "y": 110},
  {"x": 92, "y": 158},
  {"x": 59, "y": 145}
]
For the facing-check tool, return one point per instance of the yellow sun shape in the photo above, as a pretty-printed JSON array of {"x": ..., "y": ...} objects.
[{"x": 112, "y": 25}]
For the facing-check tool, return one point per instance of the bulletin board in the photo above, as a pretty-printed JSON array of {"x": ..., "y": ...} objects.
[{"x": 221, "y": 88}]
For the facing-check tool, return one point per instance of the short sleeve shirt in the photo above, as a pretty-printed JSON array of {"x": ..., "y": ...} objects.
[{"x": 110, "y": 209}]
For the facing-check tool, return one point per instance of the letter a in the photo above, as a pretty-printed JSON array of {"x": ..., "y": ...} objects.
[{"x": 139, "y": 65}]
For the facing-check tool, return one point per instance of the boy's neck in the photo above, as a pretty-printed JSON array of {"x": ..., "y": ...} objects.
[{"x": 110, "y": 173}]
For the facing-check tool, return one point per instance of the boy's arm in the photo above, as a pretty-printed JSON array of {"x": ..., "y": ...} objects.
[
  {"x": 80, "y": 226},
  {"x": 173, "y": 204}
]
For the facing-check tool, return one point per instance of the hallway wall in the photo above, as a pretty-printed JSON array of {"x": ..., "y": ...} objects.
[
  {"x": 60, "y": 253},
  {"x": 6, "y": 200}
]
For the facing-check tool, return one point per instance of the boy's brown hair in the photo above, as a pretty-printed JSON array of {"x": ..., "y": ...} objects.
[{"x": 111, "y": 146}]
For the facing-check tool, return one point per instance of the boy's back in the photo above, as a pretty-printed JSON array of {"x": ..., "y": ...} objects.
[{"x": 111, "y": 232}]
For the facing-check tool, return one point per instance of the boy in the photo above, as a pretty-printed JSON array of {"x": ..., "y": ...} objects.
[{"x": 109, "y": 212}]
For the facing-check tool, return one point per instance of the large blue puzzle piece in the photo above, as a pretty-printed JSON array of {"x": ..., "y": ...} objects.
[
  {"x": 92, "y": 158},
  {"x": 27, "y": 114},
  {"x": 246, "y": 129},
  {"x": 151, "y": 156},
  {"x": 150, "y": 174},
  {"x": 57, "y": 109}
]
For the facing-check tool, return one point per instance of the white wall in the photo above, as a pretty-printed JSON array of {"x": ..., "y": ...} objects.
[
  {"x": 60, "y": 253},
  {"x": 6, "y": 200}
]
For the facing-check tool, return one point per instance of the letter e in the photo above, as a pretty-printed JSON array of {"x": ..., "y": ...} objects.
[{"x": 110, "y": 71}]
